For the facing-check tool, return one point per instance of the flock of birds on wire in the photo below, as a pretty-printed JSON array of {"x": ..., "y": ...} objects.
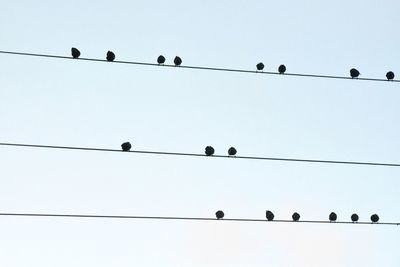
[
  {"x": 110, "y": 56},
  {"x": 296, "y": 217}
]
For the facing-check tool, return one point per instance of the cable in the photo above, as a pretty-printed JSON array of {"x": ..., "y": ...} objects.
[
  {"x": 203, "y": 155},
  {"x": 200, "y": 67},
  {"x": 185, "y": 218}
]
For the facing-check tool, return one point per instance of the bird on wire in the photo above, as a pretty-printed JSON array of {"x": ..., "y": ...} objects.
[
  {"x": 110, "y": 56},
  {"x": 332, "y": 217},
  {"x": 232, "y": 151},
  {"x": 374, "y": 218},
  {"x": 270, "y": 216},
  {"x": 126, "y": 146},
  {"x": 282, "y": 69},
  {"x": 354, "y": 217},
  {"x": 260, "y": 66},
  {"x": 161, "y": 60},
  {"x": 296, "y": 217},
  {"x": 219, "y": 214},
  {"x": 177, "y": 61},
  {"x": 354, "y": 73},
  {"x": 209, "y": 150},
  {"x": 390, "y": 76},
  {"x": 75, "y": 52}
]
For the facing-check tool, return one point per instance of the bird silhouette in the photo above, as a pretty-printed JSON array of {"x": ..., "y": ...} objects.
[
  {"x": 390, "y": 75},
  {"x": 232, "y": 151},
  {"x": 332, "y": 217},
  {"x": 296, "y": 217},
  {"x": 209, "y": 151},
  {"x": 354, "y": 73},
  {"x": 270, "y": 216},
  {"x": 374, "y": 218},
  {"x": 219, "y": 214},
  {"x": 161, "y": 59},
  {"x": 177, "y": 61},
  {"x": 354, "y": 217},
  {"x": 110, "y": 56},
  {"x": 282, "y": 69},
  {"x": 75, "y": 52},
  {"x": 126, "y": 146},
  {"x": 260, "y": 66}
]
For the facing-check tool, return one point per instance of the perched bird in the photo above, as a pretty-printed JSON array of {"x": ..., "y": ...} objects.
[
  {"x": 296, "y": 217},
  {"x": 260, "y": 66},
  {"x": 209, "y": 151},
  {"x": 390, "y": 75},
  {"x": 232, "y": 151},
  {"x": 177, "y": 61},
  {"x": 270, "y": 216},
  {"x": 110, "y": 56},
  {"x": 332, "y": 217},
  {"x": 282, "y": 69},
  {"x": 354, "y": 218},
  {"x": 354, "y": 73},
  {"x": 126, "y": 146},
  {"x": 161, "y": 59},
  {"x": 219, "y": 214},
  {"x": 75, "y": 52},
  {"x": 374, "y": 218}
]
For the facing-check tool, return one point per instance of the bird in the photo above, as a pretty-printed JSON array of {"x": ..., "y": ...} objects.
[
  {"x": 390, "y": 75},
  {"x": 270, "y": 216},
  {"x": 260, "y": 66},
  {"x": 354, "y": 73},
  {"x": 126, "y": 146},
  {"x": 219, "y": 214},
  {"x": 354, "y": 217},
  {"x": 110, "y": 56},
  {"x": 374, "y": 218},
  {"x": 161, "y": 59},
  {"x": 296, "y": 217},
  {"x": 209, "y": 151},
  {"x": 75, "y": 52},
  {"x": 282, "y": 69},
  {"x": 177, "y": 61},
  {"x": 232, "y": 151},
  {"x": 332, "y": 217}
]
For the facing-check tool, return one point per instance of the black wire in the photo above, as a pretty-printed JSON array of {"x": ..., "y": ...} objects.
[
  {"x": 201, "y": 68},
  {"x": 185, "y": 218},
  {"x": 203, "y": 155}
]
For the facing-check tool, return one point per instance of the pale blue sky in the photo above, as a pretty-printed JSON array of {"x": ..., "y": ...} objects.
[{"x": 59, "y": 102}]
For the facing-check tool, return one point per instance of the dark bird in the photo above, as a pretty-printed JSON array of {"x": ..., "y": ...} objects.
[
  {"x": 209, "y": 151},
  {"x": 296, "y": 217},
  {"x": 270, "y": 216},
  {"x": 260, "y": 66},
  {"x": 354, "y": 218},
  {"x": 282, "y": 69},
  {"x": 177, "y": 61},
  {"x": 232, "y": 151},
  {"x": 75, "y": 52},
  {"x": 354, "y": 73},
  {"x": 126, "y": 146},
  {"x": 332, "y": 217},
  {"x": 219, "y": 214},
  {"x": 161, "y": 59},
  {"x": 110, "y": 56},
  {"x": 390, "y": 75},
  {"x": 374, "y": 218}
]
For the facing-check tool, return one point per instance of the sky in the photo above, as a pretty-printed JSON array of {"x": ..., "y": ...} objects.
[{"x": 94, "y": 104}]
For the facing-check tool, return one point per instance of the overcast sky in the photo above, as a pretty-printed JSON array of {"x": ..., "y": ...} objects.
[{"x": 79, "y": 103}]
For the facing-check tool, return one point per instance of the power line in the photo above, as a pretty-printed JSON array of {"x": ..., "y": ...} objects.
[
  {"x": 52, "y": 215},
  {"x": 200, "y": 67},
  {"x": 203, "y": 155}
]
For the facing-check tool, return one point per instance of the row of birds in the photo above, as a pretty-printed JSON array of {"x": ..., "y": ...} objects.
[
  {"x": 209, "y": 151},
  {"x": 296, "y": 217},
  {"x": 110, "y": 56}
]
